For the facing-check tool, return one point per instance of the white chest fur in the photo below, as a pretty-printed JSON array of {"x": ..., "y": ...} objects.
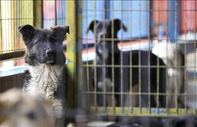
[{"x": 44, "y": 80}]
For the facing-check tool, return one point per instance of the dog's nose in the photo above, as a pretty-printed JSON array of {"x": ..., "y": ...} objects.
[{"x": 49, "y": 52}]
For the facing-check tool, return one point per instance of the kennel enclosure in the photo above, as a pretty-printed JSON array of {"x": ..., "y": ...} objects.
[{"x": 148, "y": 23}]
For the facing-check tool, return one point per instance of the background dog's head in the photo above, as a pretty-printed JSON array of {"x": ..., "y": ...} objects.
[
  {"x": 43, "y": 45},
  {"x": 104, "y": 32},
  {"x": 106, "y": 29},
  {"x": 19, "y": 109}
]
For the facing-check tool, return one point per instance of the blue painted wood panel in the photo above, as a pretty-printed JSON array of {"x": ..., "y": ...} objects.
[
  {"x": 91, "y": 10},
  {"x": 134, "y": 15},
  {"x": 61, "y": 12}
]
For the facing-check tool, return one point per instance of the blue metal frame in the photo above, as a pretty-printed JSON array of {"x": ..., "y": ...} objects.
[
  {"x": 107, "y": 7},
  {"x": 173, "y": 20},
  {"x": 151, "y": 22}
]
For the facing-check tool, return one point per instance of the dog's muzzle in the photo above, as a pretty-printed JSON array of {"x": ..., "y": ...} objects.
[{"x": 50, "y": 56}]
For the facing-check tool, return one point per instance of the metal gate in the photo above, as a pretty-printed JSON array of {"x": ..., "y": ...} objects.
[{"x": 148, "y": 23}]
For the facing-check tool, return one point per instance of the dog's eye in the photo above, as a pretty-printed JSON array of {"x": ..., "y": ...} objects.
[
  {"x": 31, "y": 115},
  {"x": 39, "y": 42}
]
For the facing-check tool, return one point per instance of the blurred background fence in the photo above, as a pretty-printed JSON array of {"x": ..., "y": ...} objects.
[
  {"x": 158, "y": 17},
  {"x": 148, "y": 23}
]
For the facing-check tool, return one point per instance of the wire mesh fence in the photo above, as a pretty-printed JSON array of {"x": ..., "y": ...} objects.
[
  {"x": 138, "y": 56},
  {"x": 119, "y": 74},
  {"x": 14, "y": 14}
]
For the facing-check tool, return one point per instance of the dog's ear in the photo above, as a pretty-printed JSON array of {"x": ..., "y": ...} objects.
[
  {"x": 117, "y": 25},
  {"x": 27, "y": 32},
  {"x": 91, "y": 26},
  {"x": 59, "y": 32}
]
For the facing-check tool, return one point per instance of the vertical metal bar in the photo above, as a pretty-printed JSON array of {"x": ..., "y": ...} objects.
[
  {"x": 106, "y": 14},
  {"x": 3, "y": 18},
  {"x": 167, "y": 100},
  {"x": 95, "y": 68},
  {"x": 3, "y": 23},
  {"x": 74, "y": 13},
  {"x": 113, "y": 90},
  {"x": 30, "y": 12},
  {"x": 38, "y": 13},
  {"x": 63, "y": 14},
  {"x": 185, "y": 93},
  {"x": 17, "y": 24},
  {"x": 26, "y": 11},
  {"x": 1, "y": 41},
  {"x": 149, "y": 39},
  {"x": 14, "y": 26},
  {"x": 80, "y": 98},
  {"x": 139, "y": 67},
  {"x": 21, "y": 16},
  {"x": 151, "y": 22},
  {"x": 158, "y": 67},
  {"x": 176, "y": 57},
  {"x": 7, "y": 23},
  {"x": 55, "y": 12},
  {"x": 13, "y": 46},
  {"x": 71, "y": 51},
  {"x": 104, "y": 64},
  {"x": 6, "y": 26},
  {"x": 10, "y": 47},
  {"x": 176, "y": 35},
  {"x": 171, "y": 19},
  {"x": 44, "y": 10},
  {"x": 107, "y": 6},
  {"x": 14, "y": 35},
  {"x": 19, "y": 20},
  {"x": 87, "y": 63},
  {"x": 173, "y": 5},
  {"x": 121, "y": 57},
  {"x": 194, "y": 56},
  {"x": 12, "y": 43},
  {"x": 131, "y": 86},
  {"x": 177, "y": 6}
]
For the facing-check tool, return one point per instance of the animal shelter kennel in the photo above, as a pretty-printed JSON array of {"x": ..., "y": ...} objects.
[{"x": 106, "y": 38}]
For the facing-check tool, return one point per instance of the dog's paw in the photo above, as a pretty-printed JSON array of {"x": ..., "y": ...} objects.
[{"x": 70, "y": 125}]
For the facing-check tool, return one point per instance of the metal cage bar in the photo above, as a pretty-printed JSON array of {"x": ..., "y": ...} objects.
[
  {"x": 74, "y": 57},
  {"x": 195, "y": 56},
  {"x": 38, "y": 13}
]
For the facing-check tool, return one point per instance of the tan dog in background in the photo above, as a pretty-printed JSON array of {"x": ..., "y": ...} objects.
[{"x": 19, "y": 109}]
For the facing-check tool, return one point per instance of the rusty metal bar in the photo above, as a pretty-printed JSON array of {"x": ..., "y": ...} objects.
[
  {"x": 74, "y": 49},
  {"x": 38, "y": 13}
]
